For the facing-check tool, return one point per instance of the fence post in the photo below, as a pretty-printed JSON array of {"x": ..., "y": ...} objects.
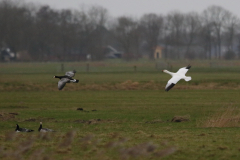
[{"x": 135, "y": 68}]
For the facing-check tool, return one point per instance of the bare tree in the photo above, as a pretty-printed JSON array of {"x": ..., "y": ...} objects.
[
  {"x": 14, "y": 25},
  {"x": 192, "y": 27},
  {"x": 206, "y": 39},
  {"x": 175, "y": 22},
  {"x": 152, "y": 28},
  {"x": 90, "y": 32},
  {"x": 46, "y": 28},
  {"x": 126, "y": 31},
  {"x": 231, "y": 26},
  {"x": 66, "y": 33},
  {"x": 217, "y": 16},
  {"x": 98, "y": 17}
]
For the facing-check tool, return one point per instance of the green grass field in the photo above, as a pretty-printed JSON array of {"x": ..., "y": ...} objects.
[{"x": 126, "y": 113}]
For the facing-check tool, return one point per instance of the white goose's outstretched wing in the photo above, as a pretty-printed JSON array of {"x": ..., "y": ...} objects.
[
  {"x": 171, "y": 83},
  {"x": 183, "y": 70},
  {"x": 70, "y": 73},
  {"x": 62, "y": 82}
]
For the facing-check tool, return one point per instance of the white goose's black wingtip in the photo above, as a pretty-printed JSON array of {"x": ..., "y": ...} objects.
[
  {"x": 188, "y": 67},
  {"x": 169, "y": 87}
]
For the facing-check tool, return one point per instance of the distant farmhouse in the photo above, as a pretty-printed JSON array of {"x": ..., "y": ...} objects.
[{"x": 158, "y": 52}]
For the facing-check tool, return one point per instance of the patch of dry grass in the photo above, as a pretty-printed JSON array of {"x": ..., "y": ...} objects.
[
  {"x": 7, "y": 116},
  {"x": 224, "y": 117}
]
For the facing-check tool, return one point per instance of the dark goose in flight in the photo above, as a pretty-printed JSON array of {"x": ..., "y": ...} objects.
[
  {"x": 22, "y": 129},
  {"x": 67, "y": 78},
  {"x": 180, "y": 74}
]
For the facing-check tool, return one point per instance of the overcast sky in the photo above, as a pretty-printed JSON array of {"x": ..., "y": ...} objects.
[{"x": 137, "y": 8}]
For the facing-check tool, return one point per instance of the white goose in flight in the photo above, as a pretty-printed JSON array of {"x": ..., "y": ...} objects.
[{"x": 180, "y": 74}]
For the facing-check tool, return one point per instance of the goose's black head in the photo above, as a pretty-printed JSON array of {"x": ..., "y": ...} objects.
[
  {"x": 40, "y": 127},
  {"x": 59, "y": 77},
  {"x": 188, "y": 67},
  {"x": 17, "y": 127}
]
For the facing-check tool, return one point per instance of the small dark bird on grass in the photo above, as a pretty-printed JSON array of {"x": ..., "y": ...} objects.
[
  {"x": 22, "y": 129},
  {"x": 40, "y": 129},
  {"x": 67, "y": 78}
]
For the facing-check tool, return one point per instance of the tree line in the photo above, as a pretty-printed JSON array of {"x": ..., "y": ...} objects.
[{"x": 40, "y": 33}]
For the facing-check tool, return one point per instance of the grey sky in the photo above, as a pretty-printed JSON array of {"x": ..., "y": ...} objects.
[{"x": 137, "y": 8}]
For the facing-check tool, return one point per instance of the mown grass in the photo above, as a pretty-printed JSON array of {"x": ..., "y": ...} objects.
[{"x": 126, "y": 115}]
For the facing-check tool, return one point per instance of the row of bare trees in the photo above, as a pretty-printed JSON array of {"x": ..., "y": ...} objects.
[{"x": 43, "y": 33}]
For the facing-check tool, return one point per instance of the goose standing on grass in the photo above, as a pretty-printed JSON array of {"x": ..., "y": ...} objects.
[
  {"x": 180, "y": 74},
  {"x": 40, "y": 129},
  {"x": 67, "y": 78},
  {"x": 18, "y": 129}
]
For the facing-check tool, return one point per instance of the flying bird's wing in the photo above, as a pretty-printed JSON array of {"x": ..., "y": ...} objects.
[
  {"x": 183, "y": 70},
  {"x": 62, "y": 82},
  {"x": 172, "y": 82},
  {"x": 70, "y": 73}
]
